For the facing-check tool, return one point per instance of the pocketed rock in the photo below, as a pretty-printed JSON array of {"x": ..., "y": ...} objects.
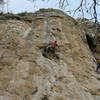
[{"x": 25, "y": 74}]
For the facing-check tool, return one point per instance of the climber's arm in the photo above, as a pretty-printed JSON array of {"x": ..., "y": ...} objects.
[{"x": 60, "y": 46}]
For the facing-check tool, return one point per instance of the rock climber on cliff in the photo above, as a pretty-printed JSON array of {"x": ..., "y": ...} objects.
[
  {"x": 52, "y": 47},
  {"x": 98, "y": 64}
]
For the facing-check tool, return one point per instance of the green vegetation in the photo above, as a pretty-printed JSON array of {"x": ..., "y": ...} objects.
[
  {"x": 20, "y": 16},
  {"x": 25, "y": 14}
]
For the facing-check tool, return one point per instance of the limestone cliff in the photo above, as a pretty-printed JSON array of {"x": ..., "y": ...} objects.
[
  {"x": 25, "y": 74},
  {"x": 92, "y": 33}
]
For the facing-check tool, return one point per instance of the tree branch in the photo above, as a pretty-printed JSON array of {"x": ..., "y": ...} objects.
[{"x": 95, "y": 13}]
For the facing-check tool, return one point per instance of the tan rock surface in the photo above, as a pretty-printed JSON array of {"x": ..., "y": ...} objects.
[{"x": 25, "y": 74}]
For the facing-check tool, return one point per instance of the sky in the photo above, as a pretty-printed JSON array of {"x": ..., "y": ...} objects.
[
  {"x": 25, "y": 5},
  {"x": 17, "y": 6}
]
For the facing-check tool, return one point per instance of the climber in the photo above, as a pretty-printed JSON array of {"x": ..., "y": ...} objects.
[
  {"x": 52, "y": 47},
  {"x": 98, "y": 65},
  {"x": 50, "y": 50}
]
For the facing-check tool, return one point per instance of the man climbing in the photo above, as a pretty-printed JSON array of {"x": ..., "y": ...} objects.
[
  {"x": 52, "y": 47},
  {"x": 98, "y": 65},
  {"x": 54, "y": 44},
  {"x": 50, "y": 50}
]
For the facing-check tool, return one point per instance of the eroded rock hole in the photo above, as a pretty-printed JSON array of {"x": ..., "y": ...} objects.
[
  {"x": 90, "y": 41},
  {"x": 45, "y": 98},
  {"x": 49, "y": 53}
]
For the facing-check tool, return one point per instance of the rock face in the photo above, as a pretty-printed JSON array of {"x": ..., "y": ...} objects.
[
  {"x": 92, "y": 34},
  {"x": 25, "y": 74}
]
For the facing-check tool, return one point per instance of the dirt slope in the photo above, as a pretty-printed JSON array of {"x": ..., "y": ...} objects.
[{"x": 25, "y": 74}]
